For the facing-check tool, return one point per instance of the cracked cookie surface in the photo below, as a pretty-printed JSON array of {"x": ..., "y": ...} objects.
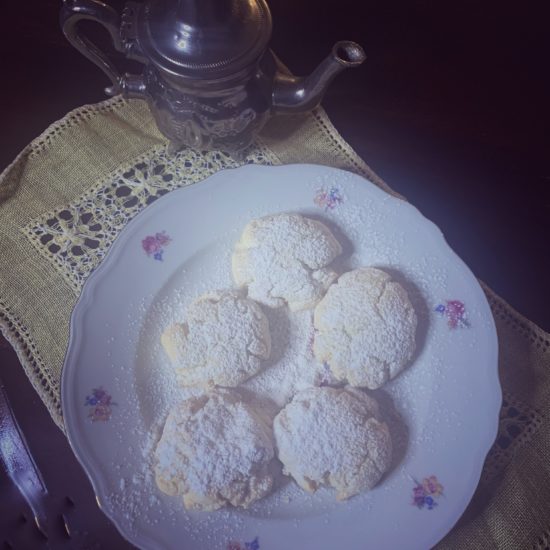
[
  {"x": 215, "y": 450},
  {"x": 365, "y": 328},
  {"x": 223, "y": 340},
  {"x": 333, "y": 437},
  {"x": 283, "y": 258}
]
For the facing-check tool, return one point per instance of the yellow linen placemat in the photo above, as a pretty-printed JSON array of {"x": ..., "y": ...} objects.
[{"x": 69, "y": 193}]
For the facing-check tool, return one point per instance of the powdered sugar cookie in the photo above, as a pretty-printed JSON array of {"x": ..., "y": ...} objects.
[
  {"x": 215, "y": 450},
  {"x": 222, "y": 342},
  {"x": 282, "y": 258},
  {"x": 365, "y": 327},
  {"x": 334, "y": 437}
]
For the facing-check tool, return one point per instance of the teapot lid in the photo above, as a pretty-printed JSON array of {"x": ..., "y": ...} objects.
[{"x": 203, "y": 38}]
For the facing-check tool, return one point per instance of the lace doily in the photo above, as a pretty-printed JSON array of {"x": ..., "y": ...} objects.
[
  {"x": 77, "y": 236},
  {"x": 518, "y": 423}
]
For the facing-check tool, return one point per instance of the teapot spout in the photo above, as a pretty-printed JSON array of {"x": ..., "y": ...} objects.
[{"x": 299, "y": 94}]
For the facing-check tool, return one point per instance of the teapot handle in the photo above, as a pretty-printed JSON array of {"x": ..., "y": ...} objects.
[{"x": 74, "y": 11}]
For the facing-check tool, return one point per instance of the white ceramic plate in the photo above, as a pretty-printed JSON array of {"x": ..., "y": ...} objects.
[{"x": 443, "y": 410}]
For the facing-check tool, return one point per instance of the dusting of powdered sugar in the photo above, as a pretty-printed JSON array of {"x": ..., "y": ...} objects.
[
  {"x": 283, "y": 258},
  {"x": 329, "y": 436},
  {"x": 292, "y": 366},
  {"x": 215, "y": 450},
  {"x": 223, "y": 341},
  {"x": 366, "y": 328}
]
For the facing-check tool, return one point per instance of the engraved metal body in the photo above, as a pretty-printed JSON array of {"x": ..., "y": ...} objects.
[{"x": 209, "y": 78}]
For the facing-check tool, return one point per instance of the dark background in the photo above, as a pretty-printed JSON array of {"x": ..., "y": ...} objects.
[{"x": 450, "y": 108}]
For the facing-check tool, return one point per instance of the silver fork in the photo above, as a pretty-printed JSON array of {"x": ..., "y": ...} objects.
[
  {"x": 19, "y": 464},
  {"x": 17, "y": 460}
]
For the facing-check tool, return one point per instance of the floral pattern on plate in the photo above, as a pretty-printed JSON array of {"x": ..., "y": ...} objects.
[
  {"x": 455, "y": 311},
  {"x": 154, "y": 244},
  {"x": 252, "y": 545},
  {"x": 100, "y": 403},
  {"x": 328, "y": 199},
  {"x": 425, "y": 494}
]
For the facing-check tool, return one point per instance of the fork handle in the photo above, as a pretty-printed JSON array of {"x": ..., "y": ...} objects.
[{"x": 16, "y": 459}]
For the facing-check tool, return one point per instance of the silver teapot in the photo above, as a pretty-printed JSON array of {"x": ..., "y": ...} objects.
[{"x": 209, "y": 78}]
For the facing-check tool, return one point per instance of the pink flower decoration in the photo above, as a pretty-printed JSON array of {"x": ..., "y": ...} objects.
[
  {"x": 153, "y": 245},
  {"x": 100, "y": 403},
  {"x": 455, "y": 311},
  {"x": 101, "y": 413}
]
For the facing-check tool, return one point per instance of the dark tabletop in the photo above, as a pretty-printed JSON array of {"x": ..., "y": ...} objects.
[{"x": 450, "y": 108}]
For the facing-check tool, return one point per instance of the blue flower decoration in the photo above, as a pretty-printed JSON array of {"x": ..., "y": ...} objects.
[
  {"x": 430, "y": 502},
  {"x": 425, "y": 494}
]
